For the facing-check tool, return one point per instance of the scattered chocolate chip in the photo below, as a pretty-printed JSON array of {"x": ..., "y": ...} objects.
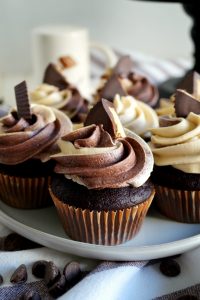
[
  {"x": 170, "y": 267},
  {"x": 16, "y": 242},
  {"x": 30, "y": 295},
  {"x": 59, "y": 287},
  {"x": 52, "y": 274},
  {"x": 72, "y": 273},
  {"x": 22, "y": 101},
  {"x": 1, "y": 279},
  {"x": 187, "y": 297},
  {"x": 20, "y": 275},
  {"x": 39, "y": 268}
]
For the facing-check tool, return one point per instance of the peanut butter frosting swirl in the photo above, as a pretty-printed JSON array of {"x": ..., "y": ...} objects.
[
  {"x": 21, "y": 140},
  {"x": 177, "y": 143},
  {"x": 91, "y": 157},
  {"x": 68, "y": 100},
  {"x": 135, "y": 115}
]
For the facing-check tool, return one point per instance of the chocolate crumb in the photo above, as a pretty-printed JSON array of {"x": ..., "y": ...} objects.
[
  {"x": 39, "y": 268},
  {"x": 1, "y": 279},
  {"x": 20, "y": 275},
  {"x": 30, "y": 295},
  {"x": 59, "y": 287},
  {"x": 52, "y": 274},
  {"x": 170, "y": 267}
]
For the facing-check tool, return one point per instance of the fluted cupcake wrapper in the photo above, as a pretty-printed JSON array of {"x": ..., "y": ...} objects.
[
  {"x": 25, "y": 193},
  {"x": 101, "y": 227},
  {"x": 180, "y": 205}
]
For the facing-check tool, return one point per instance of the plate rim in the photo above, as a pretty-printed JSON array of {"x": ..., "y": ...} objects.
[{"x": 118, "y": 252}]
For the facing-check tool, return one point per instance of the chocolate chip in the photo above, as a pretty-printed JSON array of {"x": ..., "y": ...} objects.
[
  {"x": 170, "y": 267},
  {"x": 59, "y": 287},
  {"x": 52, "y": 274},
  {"x": 1, "y": 279},
  {"x": 72, "y": 272},
  {"x": 187, "y": 297},
  {"x": 16, "y": 242},
  {"x": 20, "y": 275},
  {"x": 39, "y": 268},
  {"x": 30, "y": 295}
]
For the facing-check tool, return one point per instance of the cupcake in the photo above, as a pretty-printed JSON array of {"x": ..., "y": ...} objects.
[
  {"x": 123, "y": 81},
  {"x": 102, "y": 190},
  {"x": 176, "y": 175},
  {"x": 28, "y": 137},
  {"x": 56, "y": 92},
  {"x": 135, "y": 115}
]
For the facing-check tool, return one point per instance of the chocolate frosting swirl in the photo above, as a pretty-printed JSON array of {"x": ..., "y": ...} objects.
[
  {"x": 91, "y": 157},
  {"x": 21, "y": 140}
]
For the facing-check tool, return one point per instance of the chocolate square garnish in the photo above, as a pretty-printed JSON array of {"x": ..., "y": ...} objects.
[
  {"x": 22, "y": 101},
  {"x": 124, "y": 66},
  {"x": 185, "y": 103},
  {"x": 111, "y": 88},
  {"x": 191, "y": 83},
  {"x": 52, "y": 76}
]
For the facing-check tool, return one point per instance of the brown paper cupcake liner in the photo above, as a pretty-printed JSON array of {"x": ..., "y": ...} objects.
[
  {"x": 101, "y": 227},
  {"x": 182, "y": 206},
  {"x": 25, "y": 193}
]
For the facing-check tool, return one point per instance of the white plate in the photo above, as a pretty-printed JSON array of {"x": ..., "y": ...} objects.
[{"x": 158, "y": 237}]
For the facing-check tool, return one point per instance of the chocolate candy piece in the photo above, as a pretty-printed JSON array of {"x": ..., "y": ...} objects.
[
  {"x": 30, "y": 295},
  {"x": 72, "y": 272},
  {"x": 53, "y": 77},
  {"x": 59, "y": 287},
  {"x": 187, "y": 297},
  {"x": 185, "y": 103},
  {"x": 104, "y": 113},
  {"x": 191, "y": 83},
  {"x": 22, "y": 101},
  {"x": 1, "y": 279},
  {"x": 15, "y": 242},
  {"x": 165, "y": 121},
  {"x": 124, "y": 66},
  {"x": 52, "y": 273},
  {"x": 39, "y": 268},
  {"x": 170, "y": 267},
  {"x": 111, "y": 88},
  {"x": 20, "y": 275}
]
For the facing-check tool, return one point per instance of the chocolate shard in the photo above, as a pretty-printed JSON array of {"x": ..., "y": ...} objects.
[
  {"x": 165, "y": 121},
  {"x": 20, "y": 275},
  {"x": 185, "y": 103},
  {"x": 104, "y": 113},
  {"x": 124, "y": 66},
  {"x": 191, "y": 83},
  {"x": 111, "y": 88},
  {"x": 22, "y": 101},
  {"x": 52, "y": 76}
]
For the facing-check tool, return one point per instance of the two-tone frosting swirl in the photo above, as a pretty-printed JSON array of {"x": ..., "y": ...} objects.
[
  {"x": 177, "y": 143},
  {"x": 68, "y": 100},
  {"x": 135, "y": 115},
  {"x": 91, "y": 157},
  {"x": 21, "y": 140}
]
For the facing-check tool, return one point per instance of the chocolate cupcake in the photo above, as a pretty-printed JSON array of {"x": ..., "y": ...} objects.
[
  {"x": 123, "y": 81},
  {"x": 175, "y": 146},
  {"x": 56, "y": 92},
  {"x": 102, "y": 192},
  {"x": 28, "y": 136}
]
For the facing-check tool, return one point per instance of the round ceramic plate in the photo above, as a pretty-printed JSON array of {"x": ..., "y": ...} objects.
[{"x": 158, "y": 237}]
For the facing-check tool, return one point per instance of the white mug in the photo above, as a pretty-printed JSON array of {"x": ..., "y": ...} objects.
[{"x": 52, "y": 42}]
